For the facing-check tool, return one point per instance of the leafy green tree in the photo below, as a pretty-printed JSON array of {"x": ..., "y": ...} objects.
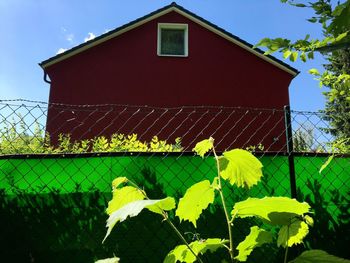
[
  {"x": 337, "y": 108},
  {"x": 303, "y": 139},
  {"x": 334, "y": 19}
]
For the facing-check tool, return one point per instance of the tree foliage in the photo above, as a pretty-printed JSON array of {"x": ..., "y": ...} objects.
[{"x": 334, "y": 19}]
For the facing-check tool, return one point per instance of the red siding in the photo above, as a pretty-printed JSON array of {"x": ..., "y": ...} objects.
[{"x": 127, "y": 70}]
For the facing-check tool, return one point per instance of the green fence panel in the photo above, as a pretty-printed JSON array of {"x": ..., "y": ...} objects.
[
  {"x": 176, "y": 174},
  {"x": 53, "y": 207}
]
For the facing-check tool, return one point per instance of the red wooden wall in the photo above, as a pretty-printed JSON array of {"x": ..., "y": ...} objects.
[{"x": 127, "y": 70}]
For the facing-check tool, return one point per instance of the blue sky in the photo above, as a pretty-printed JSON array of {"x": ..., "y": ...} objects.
[{"x": 34, "y": 30}]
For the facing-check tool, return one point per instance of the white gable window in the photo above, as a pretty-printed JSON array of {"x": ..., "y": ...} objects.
[{"x": 172, "y": 40}]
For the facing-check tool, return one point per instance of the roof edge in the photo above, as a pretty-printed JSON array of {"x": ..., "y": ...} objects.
[
  {"x": 157, "y": 13},
  {"x": 107, "y": 36}
]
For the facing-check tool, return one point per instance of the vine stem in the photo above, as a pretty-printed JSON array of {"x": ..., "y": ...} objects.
[
  {"x": 286, "y": 255},
  {"x": 166, "y": 218},
  {"x": 286, "y": 251},
  {"x": 228, "y": 220},
  {"x": 165, "y": 215}
]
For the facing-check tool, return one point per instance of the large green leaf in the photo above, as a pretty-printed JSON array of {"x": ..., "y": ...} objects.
[
  {"x": 165, "y": 204},
  {"x": 196, "y": 199},
  {"x": 318, "y": 256},
  {"x": 273, "y": 210},
  {"x": 123, "y": 196},
  {"x": 292, "y": 234},
  {"x": 134, "y": 208},
  {"x": 108, "y": 260},
  {"x": 240, "y": 167},
  {"x": 256, "y": 238},
  {"x": 204, "y": 146},
  {"x": 183, "y": 254}
]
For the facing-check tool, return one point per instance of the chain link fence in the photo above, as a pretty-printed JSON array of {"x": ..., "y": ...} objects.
[{"x": 57, "y": 163}]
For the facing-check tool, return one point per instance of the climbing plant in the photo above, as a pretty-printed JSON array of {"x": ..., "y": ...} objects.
[{"x": 239, "y": 168}]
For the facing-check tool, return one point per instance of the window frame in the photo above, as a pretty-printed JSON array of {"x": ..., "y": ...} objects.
[{"x": 172, "y": 26}]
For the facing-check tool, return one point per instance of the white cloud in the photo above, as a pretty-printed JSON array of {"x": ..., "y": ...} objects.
[
  {"x": 89, "y": 37},
  {"x": 70, "y": 37},
  {"x": 61, "y": 50},
  {"x": 67, "y": 35}
]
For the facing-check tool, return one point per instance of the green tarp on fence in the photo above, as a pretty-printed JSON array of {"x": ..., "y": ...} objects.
[{"x": 54, "y": 206}]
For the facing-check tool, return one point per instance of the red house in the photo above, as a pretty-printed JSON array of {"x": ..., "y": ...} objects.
[{"x": 168, "y": 59}]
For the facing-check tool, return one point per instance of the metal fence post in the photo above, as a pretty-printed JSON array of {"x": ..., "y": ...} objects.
[{"x": 290, "y": 151}]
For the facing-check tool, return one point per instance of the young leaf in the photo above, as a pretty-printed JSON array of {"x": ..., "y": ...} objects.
[
  {"x": 180, "y": 253},
  {"x": 314, "y": 71},
  {"x": 256, "y": 238},
  {"x": 294, "y": 56},
  {"x": 292, "y": 234},
  {"x": 240, "y": 167},
  {"x": 123, "y": 196},
  {"x": 134, "y": 208},
  {"x": 263, "y": 43},
  {"x": 330, "y": 158},
  {"x": 309, "y": 220},
  {"x": 287, "y": 53},
  {"x": 183, "y": 254},
  {"x": 108, "y": 260},
  {"x": 273, "y": 210},
  {"x": 204, "y": 146},
  {"x": 196, "y": 199},
  {"x": 318, "y": 256},
  {"x": 303, "y": 57},
  {"x": 312, "y": 20},
  {"x": 299, "y": 5},
  {"x": 310, "y": 55}
]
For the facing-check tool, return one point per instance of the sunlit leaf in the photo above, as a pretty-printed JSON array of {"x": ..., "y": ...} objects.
[
  {"x": 240, "y": 167},
  {"x": 303, "y": 57},
  {"x": 294, "y": 56},
  {"x": 215, "y": 183},
  {"x": 314, "y": 71},
  {"x": 196, "y": 199},
  {"x": 108, "y": 260},
  {"x": 318, "y": 256},
  {"x": 180, "y": 253},
  {"x": 165, "y": 204},
  {"x": 341, "y": 21},
  {"x": 122, "y": 196},
  {"x": 292, "y": 234},
  {"x": 287, "y": 53},
  {"x": 204, "y": 146},
  {"x": 273, "y": 210},
  {"x": 183, "y": 254},
  {"x": 263, "y": 43},
  {"x": 341, "y": 36},
  {"x": 309, "y": 220},
  {"x": 118, "y": 181},
  {"x": 324, "y": 166},
  {"x": 134, "y": 208},
  {"x": 256, "y": 238}
]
